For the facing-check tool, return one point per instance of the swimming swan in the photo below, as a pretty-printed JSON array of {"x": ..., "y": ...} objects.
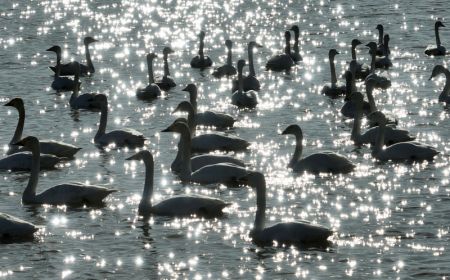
[
  {"x": 250, "y": 82},
  {"x": 290, "y": 233},
  {"x": 362, "y": 70},
  {"x": 84, "y": 101},
  {"x": 380, "y": 47},
  {"x": 13, "y": 228},
  {"x": 333, "y": 89},
  {"x": 282, "y": 61},
  {"x": 381, "y": 82},
  {"x": 61, "y": 83},
  {"x": 295, "y": 54},
  {"x": 228, "y": 68},
  {"x": 180, "y": 205},
  {"x": 152, "y": 90},
  {"x": 445, "y": 94},
  {"x": 121, "y": 137},
  {"x": 201, "y": 60},
  {"x": 437, "y": 49},
  {"x": 85, "y": 70},
  {"x": 404, "y": 151},
  {"x": 52, "y": 147},
  {"x": 384, "y": 61},
  {"x": 241, "y": 98},
  {"x": 167, "y": 81},
  {"x": 323, "y": 162},
  {"x": 72, "y": 194}
]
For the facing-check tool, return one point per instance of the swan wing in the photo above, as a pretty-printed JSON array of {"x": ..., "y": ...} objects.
[
  {"x": 219, "y": 120},
  {"x": 324, "y": 162},
  {"x": 215, "y": 141},
  {"x": 294, "y": 233},
  {"x": 186, "y": 205}
]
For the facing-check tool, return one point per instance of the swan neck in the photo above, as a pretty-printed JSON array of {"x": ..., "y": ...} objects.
[
  {"x": 296, "y": 43},
  {"x": 287, "y": 48},
  {"x": 353, "y": 52},
  {"x": 185, "y": 145},
  {"x": 200, "y": 49},
  {"x": 151, "y": 79},
  {"x": 260, "y": 217},
  {"x": 333, "y": 71},
  {"x": 166, "y": 66},
  {"x": 240, "y": 81},
  {"x": 230, "y": 57},
  {"x": 373, "y": 106},
  {"x": 148, "y": 184},
  {"x": 380, "y": 36},
  {"x": 446, "y": 91},
  {"x": 30, "y": 191},
  {"x": 251, "y": 66},
  {"x": 438, "y": 38},
  {"x": 356, "y": 129},
  {"x": 380, "y": 139},
  {"x": 372, "y": 63},
  {"x": 19, "y": 128},
  {"x": 191, "y": 120},
  {"x": 193, "y": 100},
  {"x": 298, "y": 150},
  {"x": 88, "y": 59},
  {"x": 103, "y": 121}
]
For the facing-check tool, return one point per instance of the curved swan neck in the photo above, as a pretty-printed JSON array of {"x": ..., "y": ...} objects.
[
  {"x": 298, "y": 149},
  {"x": 151, "y": 79},
  {"x": 380, "y": 139},
  {"x": 332, "y": 70},
  {"x": 185, "y": 145},
  {"x": 251, "y": 66},
  {"x": 166, "y": 66},
  {"x": 438, "y": 38},
  {"x": 30, "y": 191},
  {"x": 19, "y": 128},
  {"x": 373, "y": 106},
  {"x": 103, "y": 121},
  {"x": 88, "y": 59},
  {"x": 230, "y": 56},
  {"x": 148, "y": 185},
  {"x": 260, "y": 218}
]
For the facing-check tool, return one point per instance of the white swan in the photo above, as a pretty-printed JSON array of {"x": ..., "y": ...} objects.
[
  {"x": 250, "y": 82},
  {"x": 445, "y": 94},
  {"x": 221, "y": 173},
  {"x": 180, "y": 205},
  {"x": 84, "y": 101},
  {"x": 290, "y": 233},
  {"x": 167, "y": 81},
  {"x": 404, "y": 151},
  {"x": 282, "y": 61},
  {"x": 392, "y": 135},
  {"x": 323, "y": 162},
  {"x": 120, "y": 137},
  {"x": 61, "y": 83},
  {"x": 72, "y": 194},
  {"x": 349, "y": 108},
  {"x": 384, "y": 61},
  {"x": 362, "y": 70},
  {"x": 241, "y": 98},
  {"x": 437, "y": 49},
  {"x": 208, "y": 118},
  {"x": 201, "y": 60},
  {"x": 295, "y": 54},
  {"x": 85, "y": 70},
  {"x": 381, "y": 82},
  {"x": 13, "y": 228},
  {"x": 152, "y": 90},
  {"x": 333, "y": 89},
  {"x": 227, "y": 69}
]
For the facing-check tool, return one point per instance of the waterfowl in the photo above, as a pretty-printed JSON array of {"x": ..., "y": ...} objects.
[
  {"x": 61, "y": 83},
  {"x": 392, "y": 135},
  {"x": 282, "y": 61},
  {"x": 180, "y": 205},
  {"x": 404, "y": 151},
  {"x": 201, "y": 60},
  {"x": 250, "y": 82},
  {"x": 295, "y": 54},
  {"x": 437, "y": 49},
  {"x": 370, "y": 85},
  {"x": 380, "y": 47},
  {"x": 22, "y": 161},
  {"x": 349, "y": 108},
  {"x": 241, "y": 98},
  {"x": 333, "y": 89},
  {"x": 13, "y": 228},
  {"x": 362, "y": 70},
  {"x": 208, "y": 118},
  {"x": 167, "y": 81},
  {"x": 120, "y": 137},
  {"x": 445, "y": 94},
  {"x": 52, "y": 147},
  {"x": 84, "y": 101},
  {"x": 152, "y": 90},
  {"x": 323, "y": 162},
  {"x": 228, "y": 68},
  {"x": 384, "y": 61},
  {"x": 291, "y": 233},
  {"x": 85, "y": 70},
  {"x": 381, "y": 82},
  {"x": 71, "y": 194}
]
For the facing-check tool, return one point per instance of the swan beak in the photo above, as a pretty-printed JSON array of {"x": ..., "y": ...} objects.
[
  {"x": 284, "y": 132},
  {"x": 338, "y": 52},
  {"x": 258, "y": 45},
  {"x": 166, "y": 130},
  {"x": 133, "y": 157},
  {"x": 176, "y": 110},
  {"x": 8, "y": 104},
  {"x": 185, "y": 89},
  {"x": 429, "y": 79}
]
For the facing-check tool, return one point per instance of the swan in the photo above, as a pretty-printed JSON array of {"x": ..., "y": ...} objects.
[
  {"x": 167, "y": 81},
  {"x": 13, "y": 228},
  {"x": 152, "y": 90},
  {"x": 85, "y": 70},
  {"x": 380, "y": 47},
  {"x": 324, "y": 162},
  {"x": 349, "y": 108},
  {"x": 124, "y": 137},
  {"x": 362, "y": 69},
  {"x": 392, "y": 135},
  {"x": 22, "y": 161},
  {"x": 381, "y": 82},
  {"x": 180, "y": 205},
  {"x": 228, "y": 68},
  {"x": 384, "y": 61},
  {"x": 409, "y": 151},
  {"x": 445, "y": 94},
  {"x": 282, "y": 61},
  {"x": 250, "y": 82},
  {"x": 73, "y": 194},
  {"x": 86, "y": 100},
  {"x": 208, "y": 118},
  {"x": 295, "y": 54},
  {"x": 201, "y": 60},
  {"x": 52, "y": 147},
  {"x": 370, "y": 85},
  {"x": 241, "y": 98},
  {"x": 437, "y": 49},
  {"x": 290, "y": 233},
  {"x": 334, "y": 89},
  {"x": 220, "y": 173},
  {"x": 61, "y": 83}
]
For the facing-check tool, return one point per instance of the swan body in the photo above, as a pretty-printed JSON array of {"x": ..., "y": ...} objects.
[
  {"x": 69, "y": 69},
  {"x": 334, "y": 89},
  {"x": 22, "y": 161},
  {"x": 362, "y": 70},
  {"x": 282, "y": 61},
  {"x": 85, "y": 101},
  {"x": 295, "y": 53},
  {"x": 438, "y": 49},
  {"x": 249, "y": 82},
  {"x": 13, "y": 228},
  {"x": 124, "y": 137},
  {"x": 349, "y": 108},
  {"x": 151, "y": 91},
  {"x": 201, "y": 60},
  {"x": 167, "y": 82},
  {"x": 241, "y": 98},
  {"x": 323, "y": 162},
  {"x": 228, "y": 68},
  {"x": 61, "y": 83},
  {"x": 445, "y": 94},
  {"x": 381, "y": 82}
]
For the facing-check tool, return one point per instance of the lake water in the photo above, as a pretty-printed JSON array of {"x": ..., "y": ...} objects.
[{"x": 391, "y": 220}]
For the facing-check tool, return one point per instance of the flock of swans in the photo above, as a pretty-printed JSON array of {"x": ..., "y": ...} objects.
[{"x": 387, "y": 142}]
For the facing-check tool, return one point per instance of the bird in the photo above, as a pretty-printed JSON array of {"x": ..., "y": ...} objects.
[
  {"x": 85, "y": 101},
  {"x": 201, "y": 60},
  {"x": 227, "y": 69},
  {"x": 51, "y": 147},
  {"x": 295, "y": 54},
  {"x": 381, "y": 82},
  {"x": 380, "y": 47},
  {"x": 438, "y": 49},
  {"x": 22, "y": 161},
  {"x": 281, "y": 62},
  {"x": 362, "y": 70},
  {"x": 250, "y": 82},
  {"x": 241, "y": 98},
  {"x": 121, "y": 137},
  {"x": 177, "y": 206},
  {"x": 151, "y": 91},
  {"x": 333, "y": 89},
  {"x": 323, "y": 162},
  {"x": 384, "y": 61},
  {"x": 445, "y": 94},
  {"x": 349, "y": 108},
  {"x": 166, "y": 82},
  {"x": 15, "y": 229},
  {"x": 370, "y": 85},
  {"x": 59, "y": 83},
  {"x": 70, "y": 194}
]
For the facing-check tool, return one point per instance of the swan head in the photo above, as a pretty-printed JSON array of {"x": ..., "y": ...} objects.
[
  {"x": 184, "y": 106},
  {"x": 192, "y": 89},
  {"x": 293, "y": 129},
  {"x": 141, "y": 155},
  {"x": 15, "y": 102},
  {"x": 253, "y": 44},
  {"x": 89, "y": 40},
  {"x": 439, "y": 24},
  {"x": 437, "y": 70},
  {"x": 178, "y": 126},
  {"x": 358, "y": 98},
  {"x": 56, "y": 49},
  {"x": 253, "y": 179},
  {"x": 28, "y": 142},
  {"x": 377, "y": 117},
  {"x": 167, "y": 50},
  {"x": 295, "y": 29},
  {"x": 240, "y": 64},
  {"x": 372, "y": 46},
  {"x": 380, "y": 27},
  {"x": 356, "y": 42},
  {"x": 228, "y": 44},
  {"x": 151, "y": 56},
  {"x": 201, "y": 35},
  {"x": 101, "y": 99},
  {"x": 332, "y": 53}
]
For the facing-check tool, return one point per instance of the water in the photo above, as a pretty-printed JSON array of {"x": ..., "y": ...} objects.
[{"x": 391, "y": 220}]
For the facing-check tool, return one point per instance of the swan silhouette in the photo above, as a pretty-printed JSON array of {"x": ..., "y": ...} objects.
[
  {"x": 166, "y": 81},
  {"x": 362, "y": 70},
  {"x": 241, "y": 98},
  {"x": 333, "y": 89},
  {"x": 201, "y": 60},
  {"x": 384, "y": 61},
  {"x": 249, "y": 82},
  {"x": 437, "y": 49},
  {"x": 445, "y": 94},
  {"x": 152, "y": 90},
  {"x": 281, "y": 62},
  {"x": 228, "y": 68},
  {"x": 61, "y": 83}
]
